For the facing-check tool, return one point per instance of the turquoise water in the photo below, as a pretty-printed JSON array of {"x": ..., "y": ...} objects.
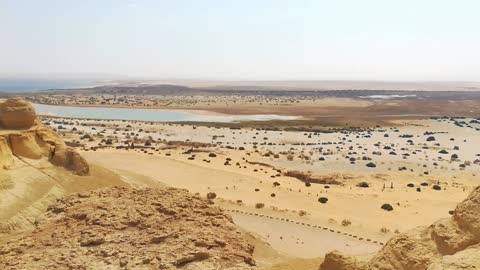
[{"x": 149, "y": 114}]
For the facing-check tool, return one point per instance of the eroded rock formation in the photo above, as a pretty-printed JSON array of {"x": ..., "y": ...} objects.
[
  {"x": 36, "y": 167},
  {"x": 16, "y": 113},
  {"x": 34, "y": 141}
]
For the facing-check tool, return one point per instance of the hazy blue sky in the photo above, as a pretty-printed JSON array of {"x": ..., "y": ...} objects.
[{"x": 244, "y": 39}]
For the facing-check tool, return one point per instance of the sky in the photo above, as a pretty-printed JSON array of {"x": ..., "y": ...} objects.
[{"x": 399, "y": 40}]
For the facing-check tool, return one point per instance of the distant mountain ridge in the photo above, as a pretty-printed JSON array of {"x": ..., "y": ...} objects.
[{"x": 29, "y": 85}]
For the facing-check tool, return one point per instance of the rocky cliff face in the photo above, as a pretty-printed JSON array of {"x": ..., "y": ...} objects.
[
  {"x": 121, "y": 228},
  {"x": 452, "y": 243}
]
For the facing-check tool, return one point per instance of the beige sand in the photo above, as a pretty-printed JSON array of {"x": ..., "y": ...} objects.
[{"x": 357, "y": 208}]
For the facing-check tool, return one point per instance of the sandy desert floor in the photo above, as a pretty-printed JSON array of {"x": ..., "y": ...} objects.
[{"x": 272, "y": 182}]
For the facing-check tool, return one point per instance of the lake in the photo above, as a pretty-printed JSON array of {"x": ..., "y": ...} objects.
[{"x": 150, "y": 114}]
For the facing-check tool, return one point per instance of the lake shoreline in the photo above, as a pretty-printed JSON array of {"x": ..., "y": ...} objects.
[{"x": 151, "y": 115}]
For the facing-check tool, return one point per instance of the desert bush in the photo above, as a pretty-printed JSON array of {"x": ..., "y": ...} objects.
[
  {"x": 346, "y": 222},
  {"x": 259, "y": 205},
  {"x": 371, "y": 165},
  {"x": 384, "y": 230},
  {"x": 363, "y": 185},
  {"x": 211, "y": 195}
]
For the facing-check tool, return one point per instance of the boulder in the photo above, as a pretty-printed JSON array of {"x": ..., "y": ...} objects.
[
  {"x": 68, "y": 158},
  {"x": 335, "y": 260},
  {"x": 16, "y": 113}
]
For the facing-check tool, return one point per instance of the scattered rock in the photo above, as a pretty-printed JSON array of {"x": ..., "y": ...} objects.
[
  {"x": 371, "y": 165},
  {"x": 323, "y": 200},
  {"x": 387, "y": 207}
]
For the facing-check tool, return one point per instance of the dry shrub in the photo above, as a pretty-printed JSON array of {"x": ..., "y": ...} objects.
[
  {"x": 259, "y": 205},
  {"x": 384, "y": 230},
  {"x": 306, "y": 177},
  {"x": 211, "y": 195},
  {"x": 346, "y": 222}
]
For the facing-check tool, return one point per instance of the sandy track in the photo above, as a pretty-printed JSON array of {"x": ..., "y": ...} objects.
[{"x": 303, "y": 240}]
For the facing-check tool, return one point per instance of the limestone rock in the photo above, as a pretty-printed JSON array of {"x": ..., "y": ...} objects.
[
  {"x": 16, "y": 113},
  {"x": 37, "y": 142},
  {"x": 6, "y": 155},
  {"x": 68, "y": 158},
  {"x": 467, "y": 213},
  {"x": 468, "y": 259},
  {"x": 116, "y": 228},
  {"x": 26, "y": 145},
  {"x": 338, "y": 261},
  {"x": 36, "y": 167},
  {"x": 450, "y": 238}
]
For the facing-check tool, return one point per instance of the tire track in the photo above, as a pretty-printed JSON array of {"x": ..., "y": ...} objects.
[{"x": 308, "y": 225}]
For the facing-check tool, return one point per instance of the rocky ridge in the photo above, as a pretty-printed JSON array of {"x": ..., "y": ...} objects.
[
  {"x": 452, "y": 243},
  {"x": 122, "y": 228}
]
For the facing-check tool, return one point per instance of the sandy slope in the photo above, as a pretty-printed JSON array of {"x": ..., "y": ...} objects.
[{"x": 358, "y": 205}]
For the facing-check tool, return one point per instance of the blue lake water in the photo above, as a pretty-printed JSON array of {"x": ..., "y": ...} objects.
[{"x": 149, "y": 114}]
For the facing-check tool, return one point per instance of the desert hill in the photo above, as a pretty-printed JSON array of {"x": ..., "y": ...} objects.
[
  {"x": 121, "y": 228},
  {"x": 447, "y": 244}
]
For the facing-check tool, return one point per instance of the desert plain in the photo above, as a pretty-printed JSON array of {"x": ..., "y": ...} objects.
[{"x": 353, "y": 170}]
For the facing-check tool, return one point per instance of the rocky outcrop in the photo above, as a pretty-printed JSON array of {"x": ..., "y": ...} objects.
[
  {"x": 121, "y": 228},
  {"x": 35, "y": 141},
  {"x": 468, "y": 259},
  {"x": 40, "y": 143},
  {"x": 68, "y": 158},
  {"x": 16, "y": 113},
  {"x": 447, "y": 244},
  {"x": 337, "y": 260},
  {"x": 36, "y": 167}
]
